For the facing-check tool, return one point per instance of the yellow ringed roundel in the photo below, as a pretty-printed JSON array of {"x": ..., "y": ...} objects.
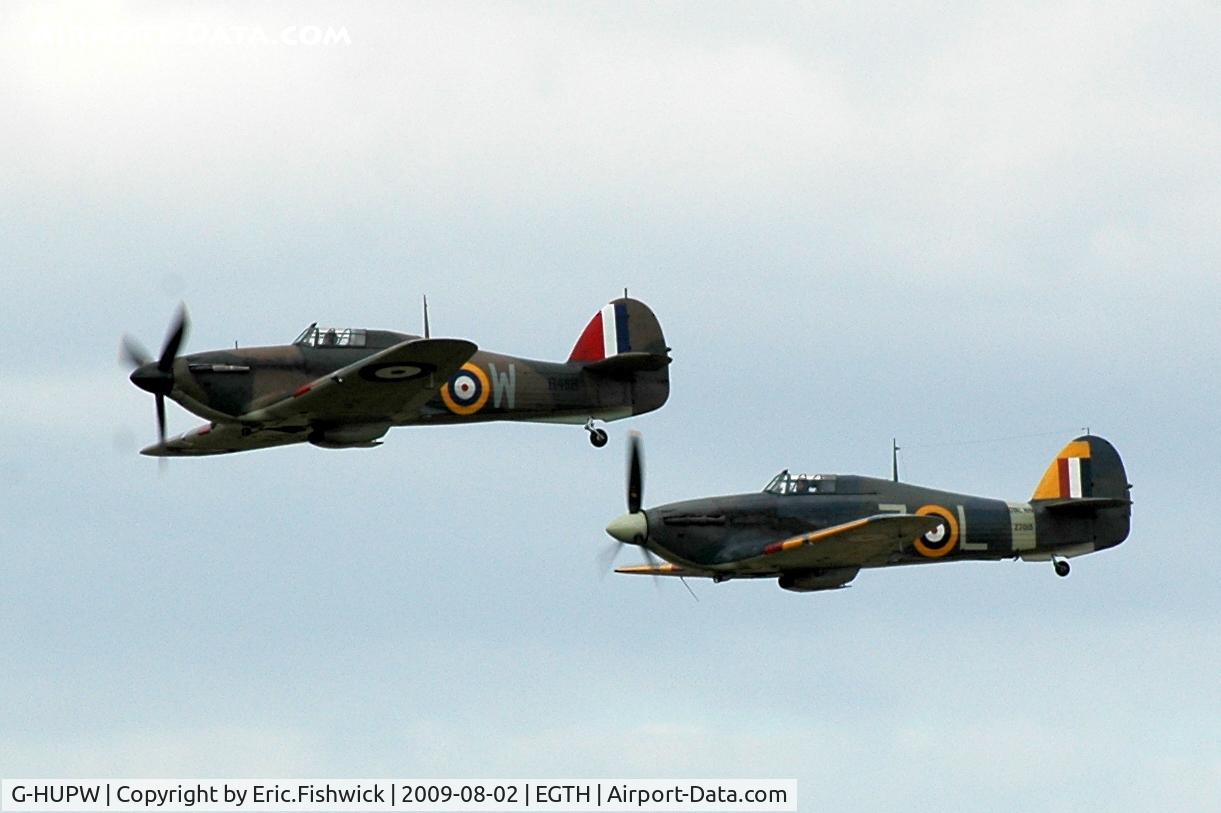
[
  {"x": 941, "y": 540},
  {"x": 466, "y": 391}
]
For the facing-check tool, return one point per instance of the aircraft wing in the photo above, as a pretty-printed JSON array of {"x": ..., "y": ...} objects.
[
  {"x": 866, "y": 541},
  {"x": 666, "y": 569},
  {"x": 223, "y": 438},
  {"x": 399, "y": 379}
]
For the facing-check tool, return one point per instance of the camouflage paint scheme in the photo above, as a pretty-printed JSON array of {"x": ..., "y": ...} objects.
[
  {"x": 347, "y": 388},
  {"x": 817, "y": 532}
]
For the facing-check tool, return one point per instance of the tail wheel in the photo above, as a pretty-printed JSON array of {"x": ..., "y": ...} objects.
[
  {"x": 1062, "y": 568},
  {"x": 598, "y": 438}
]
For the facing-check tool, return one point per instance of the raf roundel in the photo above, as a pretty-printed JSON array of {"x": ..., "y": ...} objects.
[
  {"x": 941, "y": 540},
  {"x": 467, "y": 390},
  {"x": 394, "y": 372}
]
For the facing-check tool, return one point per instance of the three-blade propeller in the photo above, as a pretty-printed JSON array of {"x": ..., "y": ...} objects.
[
  {"x": 157, "y": 376},
  {"x": 632, "y": 528}
]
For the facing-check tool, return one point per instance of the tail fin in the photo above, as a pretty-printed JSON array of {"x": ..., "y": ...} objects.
[
  {"x": 1087, "y": 482},
  {"x": 623, "y": 327},
  {"x": 1087, "y": 468}
]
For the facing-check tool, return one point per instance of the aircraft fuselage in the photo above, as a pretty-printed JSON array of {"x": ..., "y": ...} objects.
[
  {"x": 222, "y": 385},
  {"x": 715, "y": 532}
]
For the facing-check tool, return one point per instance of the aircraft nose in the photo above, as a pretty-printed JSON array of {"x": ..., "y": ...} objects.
[
  {"x": 150, "y": 378},
  {"x": 631, "y": 528}
]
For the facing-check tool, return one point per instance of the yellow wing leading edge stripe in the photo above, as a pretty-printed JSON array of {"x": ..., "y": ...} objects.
[
  {"x": 668, "y": 569},
  {"x": 806, "y": 539}
]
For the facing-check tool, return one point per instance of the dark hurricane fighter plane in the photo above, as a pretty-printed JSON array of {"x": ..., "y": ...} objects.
[
  {"x": 340, "y": 388},
  {"x": 816, "y": 532}
]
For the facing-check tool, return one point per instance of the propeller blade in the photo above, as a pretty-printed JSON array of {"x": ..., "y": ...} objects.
[
  {"x": 635, "y": 473},
  {"x": 133, "y": 353},
  {"x": 606, "y": 558},
  {"x": 651, "y": 561},
  {"x": 170, "y": 351},
  {"x": 632, "y": 527},
  {"x": 161, "y": 417}
]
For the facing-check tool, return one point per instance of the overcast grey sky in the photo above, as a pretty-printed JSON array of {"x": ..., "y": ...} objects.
[{"x": 948, "y": 223}]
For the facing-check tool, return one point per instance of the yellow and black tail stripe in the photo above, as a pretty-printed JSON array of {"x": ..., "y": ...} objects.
[{"x": 1069, "y": 475}]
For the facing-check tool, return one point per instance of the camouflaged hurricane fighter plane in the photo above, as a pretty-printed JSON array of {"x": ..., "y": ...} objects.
[
  {"x": 816, "y": 532},
  {"x": 343, "y": 388}
]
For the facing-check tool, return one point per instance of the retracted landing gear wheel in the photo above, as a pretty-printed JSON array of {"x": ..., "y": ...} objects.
[
  {"x": 598, "y": 438},
  {"x": 1062, "y": 568}
]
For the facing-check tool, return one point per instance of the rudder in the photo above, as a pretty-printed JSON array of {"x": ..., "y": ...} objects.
[
  {"x": 1087, "y": 481},
  {"x": 622, "y": 326}
]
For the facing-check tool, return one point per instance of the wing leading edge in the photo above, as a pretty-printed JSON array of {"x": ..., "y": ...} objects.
[{"x": 866, "y": 541}]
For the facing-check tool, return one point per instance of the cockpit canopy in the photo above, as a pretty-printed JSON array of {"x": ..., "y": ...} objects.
[
  {"x": 784, "y": 484},
  {"x": 314, "y": 336}
]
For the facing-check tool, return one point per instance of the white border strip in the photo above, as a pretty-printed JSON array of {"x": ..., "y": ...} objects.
[
  {"x": 610, "y": 333},
  {"x": 198, "y": 795},
  {"x": 1074, "y": 477}
]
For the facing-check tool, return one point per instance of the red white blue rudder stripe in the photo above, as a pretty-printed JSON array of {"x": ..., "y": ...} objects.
[{"x": 606, "y": 335}]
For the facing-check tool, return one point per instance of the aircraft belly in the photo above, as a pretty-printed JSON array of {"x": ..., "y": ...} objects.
[
  {"x": 1065, "y": 551},
  {"x": 580, "y": 416},
  {"x": 440, "y": 417}
]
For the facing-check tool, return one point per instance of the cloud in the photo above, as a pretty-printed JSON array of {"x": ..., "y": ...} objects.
[{"x": 493, "y": 107}]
